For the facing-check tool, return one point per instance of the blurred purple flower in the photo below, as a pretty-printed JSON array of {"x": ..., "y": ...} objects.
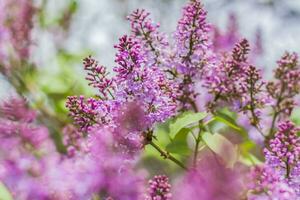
[{"x": 211, "y": 180}]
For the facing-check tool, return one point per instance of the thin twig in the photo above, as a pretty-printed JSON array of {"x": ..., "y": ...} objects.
[{"x": 167, "y": 155}]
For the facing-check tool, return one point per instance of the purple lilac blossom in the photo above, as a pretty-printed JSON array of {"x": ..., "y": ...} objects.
[
  {"x": 234, "y": 82},
  {"x": 159, "y": 188},
  {"x": 192, "y": 53},
  {"x": 286, "y": 84},
  {"x": 225, "y": 41},
  {"x": 31, "y": 168},
  {"x": 283, "y": 154},
  {"x": 265, "y": 183},
  {"x": 211, "y": 180},
  {"x": 154, "y": 42},
  {"x": 16, "y": 25}
]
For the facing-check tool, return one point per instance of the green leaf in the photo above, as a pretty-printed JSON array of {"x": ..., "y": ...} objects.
[
  {"x": 229, "y": 120},
  {"x": 161, "y": 133},
  {"x": 4, "y": 193},
  {"x": 249, "y": 159},
  {"x": 55, "y": 85},
  {"x": 73, "y": 7},
  {"x": 222, "y": 147},
  {"x": 179, "y": 144},
  {"x": 229, "y": 123},
  {"x": 295, "y": 117},
  {"x": 184, "y": 120},
  {"x": 245, "y": 156},
  {"x": 247, "y": 145}
]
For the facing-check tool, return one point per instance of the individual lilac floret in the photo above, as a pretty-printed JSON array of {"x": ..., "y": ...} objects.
[
  {"x": 283, "y": 154},
  {"x": 265, "y": 183},
  {"x": 159, "y": 188}
]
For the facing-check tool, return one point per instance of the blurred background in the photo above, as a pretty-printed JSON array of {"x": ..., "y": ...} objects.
[{"x": 96, "y": 25}]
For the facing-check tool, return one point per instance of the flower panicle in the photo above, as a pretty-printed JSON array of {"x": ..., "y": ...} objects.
[
  {"x": 228, "y": 80},
  {"x": 285, "y": 147},
  {"x": 240, "y": 51},
  {"x": 266, "y": 183},
  {"x": 145, "y": 30},
  {"x": 223, "y": 41},
  {"x": 19, "y": 24},
  {"x": 139, "y": 21},
  {"x": 129, "y": 57},
  {"x": 192, "y": 33},
  {"x": 97, "y": 76},
  {"x": 159, "y": 188},
  {"x": 286, "y": 85},
  {"x": 16, "y": 109}
]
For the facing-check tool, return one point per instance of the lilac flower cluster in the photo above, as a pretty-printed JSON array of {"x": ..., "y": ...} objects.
[
  {"x": 192, "y": 38},
  {"x": 135, "y": 81},
  {"x": 83, "y": 112},
  {"x": 265, "y": 183},
  {"x": 227, "y": 82},
  {"x": 72, "y": 140},
  {"x": 211, "y": 180},
  {"x": 155, "y": 79},
  {"x": 16, "y": 23},
  {"x": 31, "y": 168},
  {"x": 138, "y": 80},
  {"x": 152, "y": 84},
  {"x": 223, "y": 42},
  {"x": 237, "y": 83},
  {"x": 145, "y": 30},
  {"x": 21, "y": 168},
  {"x": 97, "y": 77},
  {"x": 159, "y": 188},
  {"x": 193, "y": 53},
  {"x": 286, "y": 86},
  {"x": 283, "y": 154}
]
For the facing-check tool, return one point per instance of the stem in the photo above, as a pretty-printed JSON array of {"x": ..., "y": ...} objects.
[
  {"x": 110, "y": 93},
  {"x": 273, "y": 124},
  {"x": 288, "y": 170},
  {"x": 255, "y": 119},
  {"x": 276, "y": 108},
  {"x": 167, "y": 155},
  {"x": 196, "y": 148},
  {"x": 198, "y": 139}
]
